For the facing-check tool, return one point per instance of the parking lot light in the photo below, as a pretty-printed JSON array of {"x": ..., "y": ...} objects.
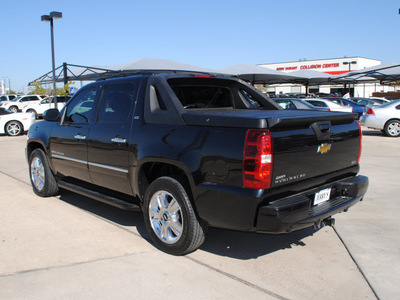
[
  {"x": 349, "y": 63},
  {"x": 49, "y": 18}
]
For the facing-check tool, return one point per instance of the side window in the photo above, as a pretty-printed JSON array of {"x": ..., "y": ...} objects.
[
  {"x": 286, "y": 104},
  {"x": 318, "y": 103},
  {"x": 250, "y": 99},
  {"x": 30, "y": 98},
  {"x": 80, "y": 109},
  {"x": 116, "y": 103}
]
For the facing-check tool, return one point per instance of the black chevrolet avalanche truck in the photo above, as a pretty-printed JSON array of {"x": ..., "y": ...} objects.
[{"x": 194, "y": 150}]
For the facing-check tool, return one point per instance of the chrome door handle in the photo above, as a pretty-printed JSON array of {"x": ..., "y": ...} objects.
[
  {"x": 118, "y": 140},
  {"x": 80, "y": 137}
]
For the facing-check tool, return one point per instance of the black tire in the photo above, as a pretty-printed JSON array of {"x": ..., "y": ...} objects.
[
  {"x": 172, "y": 223},
  {"x": 392, "y": 128},
  {"x": 13, "y": 108},
  {"x": 33, "y": 112},
  {"x": 42, "y": 179},
  {"x": 14, "y": 128}
]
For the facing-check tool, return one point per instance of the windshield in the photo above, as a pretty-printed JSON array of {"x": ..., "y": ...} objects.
[
  {"x": 4, "y": 111},
  {"x": 16, "y": 99}
]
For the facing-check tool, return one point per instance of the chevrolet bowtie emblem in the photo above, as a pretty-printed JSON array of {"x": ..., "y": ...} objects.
[{"x": 324, "y": 148}]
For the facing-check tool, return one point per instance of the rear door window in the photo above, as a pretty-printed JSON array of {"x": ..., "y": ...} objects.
[{"x": 116, "y": 103}]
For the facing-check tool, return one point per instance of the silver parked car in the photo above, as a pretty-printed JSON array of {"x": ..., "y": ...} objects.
[{"x": 385, "y": 117}]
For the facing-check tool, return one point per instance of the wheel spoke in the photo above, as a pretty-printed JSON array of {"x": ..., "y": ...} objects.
[
  {"x": 176, "y": 228},
  {"x": 173, "y": 207}
]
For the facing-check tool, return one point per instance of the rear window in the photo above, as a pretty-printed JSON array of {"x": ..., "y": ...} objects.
[
  {"x": 204, "y": 97},
  {"x": 214, "y": 93}
]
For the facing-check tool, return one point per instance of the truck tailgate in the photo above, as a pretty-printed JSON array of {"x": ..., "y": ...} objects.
[{"x": 306, "y": 143}]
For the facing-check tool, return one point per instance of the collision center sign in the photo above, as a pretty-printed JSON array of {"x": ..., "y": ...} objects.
[{"x": 309, "y": 67}]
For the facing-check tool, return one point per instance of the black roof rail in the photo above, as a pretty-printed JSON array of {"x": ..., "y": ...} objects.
[{"x": 127, "y": 73}]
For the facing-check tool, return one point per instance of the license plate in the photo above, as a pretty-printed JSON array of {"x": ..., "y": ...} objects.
[{"x": 322, "y": 196}]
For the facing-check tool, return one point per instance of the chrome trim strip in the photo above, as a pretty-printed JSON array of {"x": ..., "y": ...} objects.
[
  {"x": 108, "y": 167},
  {"x": 69, "y": 158},
  {"x": 91, "y": 163}
]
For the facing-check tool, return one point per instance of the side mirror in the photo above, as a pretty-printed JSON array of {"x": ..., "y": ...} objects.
[{"x": 51, "y": 115}]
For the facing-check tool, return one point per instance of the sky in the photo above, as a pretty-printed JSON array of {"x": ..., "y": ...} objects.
[{"x": 208, "y": 33}]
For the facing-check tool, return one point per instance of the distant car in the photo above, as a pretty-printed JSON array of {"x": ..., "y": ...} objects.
[
  {"x": 8, "y": 97},
  {"x": 294, "y": 103},
  {"x": 369, "y": 101},
  {"x": 38, "y": 108},
  {"x": 357, "y": 108},
  {"x": 329, "y": 104},
  {"x": 15, "y": 105},
  {"x": 385, "y": 117},
  {"x": 14, "y": 124}
]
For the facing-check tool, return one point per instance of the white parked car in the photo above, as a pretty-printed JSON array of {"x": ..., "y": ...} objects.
[
  {"x": 8, "y": 97},
  {"x": 385, "y": 117},
  {"x": 16, "y": 104},
  {"x": 38, "y": 108},
  {"x": 14, "y": 123},
  {"x": 329, "y": 104}
]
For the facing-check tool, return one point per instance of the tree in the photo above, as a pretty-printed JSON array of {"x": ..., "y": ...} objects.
[
  {"x": 36, "y": 88},
  {"x": 66, "y": 90}
]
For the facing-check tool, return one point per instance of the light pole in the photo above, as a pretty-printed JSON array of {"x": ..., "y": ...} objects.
[
  {"x": 49, "y": 18},
  {"x": 349, "y": 63}
]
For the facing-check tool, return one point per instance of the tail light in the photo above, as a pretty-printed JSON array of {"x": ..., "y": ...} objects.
[
  {"x": 370, "y": 111},
  {"x": 257, "y": 159},
  {"x": 360, "y": 146}
]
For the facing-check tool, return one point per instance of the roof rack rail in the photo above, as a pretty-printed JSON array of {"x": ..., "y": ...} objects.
[{"x": 127, "y": 73}]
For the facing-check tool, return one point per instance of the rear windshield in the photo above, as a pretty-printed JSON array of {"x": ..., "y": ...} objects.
[
  {"x": 4, "y": 111},
  {"x": 204, "y": 93}
]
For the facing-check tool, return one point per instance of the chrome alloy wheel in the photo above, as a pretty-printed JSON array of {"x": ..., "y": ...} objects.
[
  {"x": 165, "y": 216},
  {"x": 37, "y": 173},
  {"x": 394, "y": 128}
]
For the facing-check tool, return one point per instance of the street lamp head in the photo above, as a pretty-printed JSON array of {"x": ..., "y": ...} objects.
[
  {"x": 353, "y": 62},
  {"x": 46, "y": 18},
  {"x": 56, "y": 15}
]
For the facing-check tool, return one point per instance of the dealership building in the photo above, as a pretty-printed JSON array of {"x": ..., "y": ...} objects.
[{"x": 334, "y": 66}]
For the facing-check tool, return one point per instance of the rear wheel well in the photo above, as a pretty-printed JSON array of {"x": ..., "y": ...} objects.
[
  {"x": 394, "y": 119},
  {"x": 153, "y": 170}
]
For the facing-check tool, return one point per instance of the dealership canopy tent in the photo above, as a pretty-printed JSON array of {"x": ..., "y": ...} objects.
[
  {"x": 310, "y": 77},
  {"x": 155, "y": 64},
  {"x": 385, "y": 73},
  {"x": 256, "y": 74}
]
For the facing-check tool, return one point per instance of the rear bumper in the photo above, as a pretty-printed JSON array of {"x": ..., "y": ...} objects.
[{"x": 296, "y": 212}]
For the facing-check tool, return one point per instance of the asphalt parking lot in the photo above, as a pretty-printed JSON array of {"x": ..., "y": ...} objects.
[{"x": 73, "y": 247}]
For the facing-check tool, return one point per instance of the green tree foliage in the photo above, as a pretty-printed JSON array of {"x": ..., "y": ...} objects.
[
  {"x": 36, "y": 88},
  {"x": 66, "y": 90}
]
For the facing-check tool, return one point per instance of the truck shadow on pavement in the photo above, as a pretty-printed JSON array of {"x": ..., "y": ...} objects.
[
  {"x": 372, "y": 133},
  {"x": 229, "y": 243},
  {"x": 250, "y": 245}
]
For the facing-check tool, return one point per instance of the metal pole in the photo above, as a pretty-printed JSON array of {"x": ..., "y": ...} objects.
[
  {"x": 65, "y": 74},
  {"x": 349, "y": 82},
  {"x": 54, "y": 64}
]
